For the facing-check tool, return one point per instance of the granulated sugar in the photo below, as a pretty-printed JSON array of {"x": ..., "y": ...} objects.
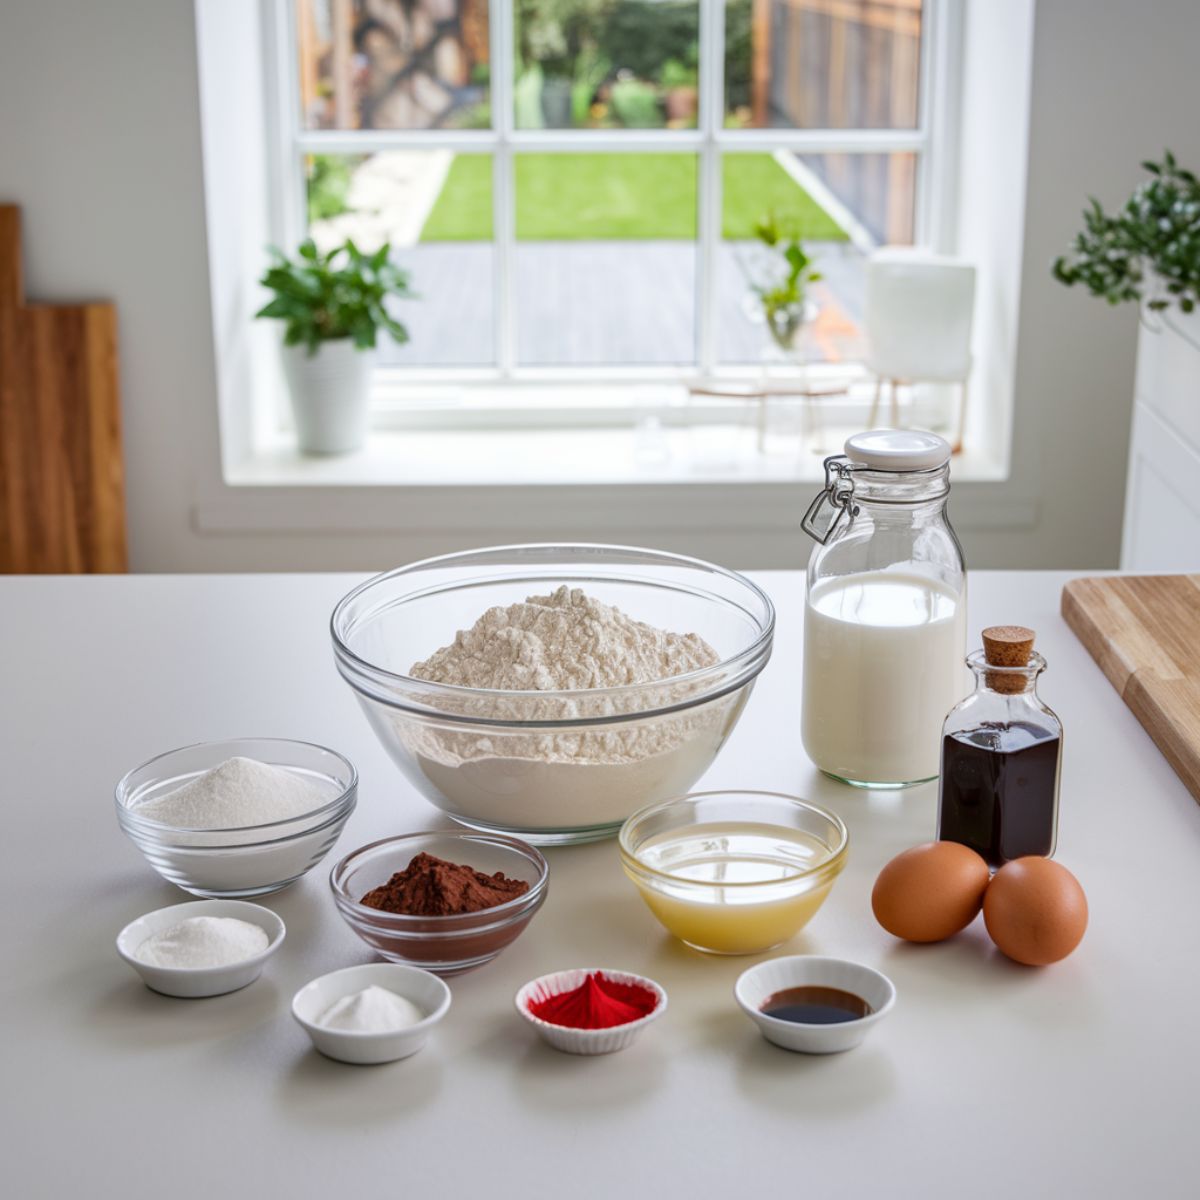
[
  {"x": 239, "y": 792},
  {"x": 203, "y": 942}
]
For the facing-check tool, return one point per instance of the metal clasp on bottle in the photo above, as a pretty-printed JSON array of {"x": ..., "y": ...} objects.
[{"x": 835, "y": 504}]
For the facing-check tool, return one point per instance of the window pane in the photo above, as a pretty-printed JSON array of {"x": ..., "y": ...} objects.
[
  {"x": 393, "y": 64},
  {"x": 605, "y": 258},
  {"x": 606, "y": 64},
  {"x": 839, "y": 206},
  {"x": 822, "y": 64},
  {"x": 435, "y": 208}
]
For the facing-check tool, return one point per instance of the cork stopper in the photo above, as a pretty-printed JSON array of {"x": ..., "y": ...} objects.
[{"x": 1007, "y": 646}]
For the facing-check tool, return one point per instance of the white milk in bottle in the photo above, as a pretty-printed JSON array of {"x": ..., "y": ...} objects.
[{"x": 885, "y": 615}]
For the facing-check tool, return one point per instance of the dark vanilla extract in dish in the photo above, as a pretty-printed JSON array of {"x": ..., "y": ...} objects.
[
  {"x": 812, "y": 1005},
  {"x": 998, "y": 787}
]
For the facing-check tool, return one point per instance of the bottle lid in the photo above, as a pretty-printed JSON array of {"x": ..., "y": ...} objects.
[
  {"x": 1007, "y": 646},
  {"x": 898, "y": 450}
]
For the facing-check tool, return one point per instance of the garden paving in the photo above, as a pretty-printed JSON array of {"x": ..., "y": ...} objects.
[{"x": 611, "y": 303}]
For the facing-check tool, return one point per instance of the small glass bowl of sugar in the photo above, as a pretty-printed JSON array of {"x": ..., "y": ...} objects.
[{"x": 241, "y": 817}]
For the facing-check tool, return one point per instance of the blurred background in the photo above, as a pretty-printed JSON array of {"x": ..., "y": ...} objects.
[{"x": 606, "y": 270}]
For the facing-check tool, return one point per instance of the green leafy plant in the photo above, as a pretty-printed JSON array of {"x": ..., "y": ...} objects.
[
  {"x": 590, "y": 69},
  {"x": 677, "y": 74},
  {"x": 328, "y": 186},
  {"x": 339, "y": 294},
  {"x": 1157, "y": 230},
  {"x": 636, "y": 104},
  {"x": 783, "y": 302}
]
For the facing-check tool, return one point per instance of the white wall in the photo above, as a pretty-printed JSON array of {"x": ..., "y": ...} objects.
[
  {"x": 100, "y": 145},
  {"x": 1114, "y": 82},
  {"x": 100, "y": 142}
]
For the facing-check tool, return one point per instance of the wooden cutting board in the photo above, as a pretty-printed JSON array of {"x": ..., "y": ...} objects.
[
  {"x": 62, "y": 486},
  {"x": 1144, "y": 632}
]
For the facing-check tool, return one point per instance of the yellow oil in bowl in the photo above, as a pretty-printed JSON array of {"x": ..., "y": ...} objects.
[{"x": 734, "y": 887}]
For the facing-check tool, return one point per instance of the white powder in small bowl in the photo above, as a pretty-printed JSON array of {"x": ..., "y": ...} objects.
[
  {"x": 373, "y": 1010},
  {"x": 203, "y": 942},
  {"x": 239, "y": 792}
]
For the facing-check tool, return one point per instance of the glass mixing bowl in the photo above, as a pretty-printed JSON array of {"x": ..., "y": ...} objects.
[
  {"x": 734, "y": 872},
  {"x": 248, "y": 860},
  {"x": 445, "y": 945},
  {"x": 550, "y": 767}
]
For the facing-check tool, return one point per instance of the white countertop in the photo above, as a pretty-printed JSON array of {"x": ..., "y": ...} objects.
[{"x": 989, "y": 1079}]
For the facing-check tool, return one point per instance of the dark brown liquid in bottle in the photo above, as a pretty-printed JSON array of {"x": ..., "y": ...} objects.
[
  {"x": 810, "y": 1005},
  {"x": 998, "y": 790}
]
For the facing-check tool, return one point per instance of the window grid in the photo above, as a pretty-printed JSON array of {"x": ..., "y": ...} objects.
[{"x": 709, "y": 141}]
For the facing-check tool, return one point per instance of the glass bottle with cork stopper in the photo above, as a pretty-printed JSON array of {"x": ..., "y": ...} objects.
[{"x": 1002, "y": 755}]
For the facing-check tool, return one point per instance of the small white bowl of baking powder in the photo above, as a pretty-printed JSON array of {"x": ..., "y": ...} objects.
[
  {"x": 347, "y": 1018},
  {"x": 205, "y": 948}
]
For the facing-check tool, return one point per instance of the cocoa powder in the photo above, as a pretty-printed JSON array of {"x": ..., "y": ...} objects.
[{"x": 433, "y": 887}]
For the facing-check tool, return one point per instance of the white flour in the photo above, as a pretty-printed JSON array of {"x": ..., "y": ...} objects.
[
  {"x": 566, "y": 642},
  {"x": 563, "y": 642}
]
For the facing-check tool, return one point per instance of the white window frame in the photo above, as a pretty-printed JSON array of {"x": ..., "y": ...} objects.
[{"x": 933, "y": 142}]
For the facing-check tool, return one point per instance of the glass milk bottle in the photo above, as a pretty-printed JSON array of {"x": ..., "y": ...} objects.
[{"x": 885, "y": 613}]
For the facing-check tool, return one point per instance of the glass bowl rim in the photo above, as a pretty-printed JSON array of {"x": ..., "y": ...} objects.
[
  {"x": 832, "y": 862},
  {"x": 128, "y": 816},
  {"x": 378, "y": 919},
  {"x": 353, "y": 667}
]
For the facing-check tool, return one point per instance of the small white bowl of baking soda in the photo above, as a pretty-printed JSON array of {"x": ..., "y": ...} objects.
[
  {"x": 374, "y": 1013},
  {"x": 204, "y": 948}
]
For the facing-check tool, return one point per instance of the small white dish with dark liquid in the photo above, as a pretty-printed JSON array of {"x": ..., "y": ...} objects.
[{"x": 814, "y": 1005}]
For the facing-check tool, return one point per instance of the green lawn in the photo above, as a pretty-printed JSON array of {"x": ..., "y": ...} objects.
[{"x": 594, "y": 197}]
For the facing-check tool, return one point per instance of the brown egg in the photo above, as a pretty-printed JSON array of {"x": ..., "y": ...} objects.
[
  {"x": 1035, "y": 911},
  {"x": 930, "y": 892}
]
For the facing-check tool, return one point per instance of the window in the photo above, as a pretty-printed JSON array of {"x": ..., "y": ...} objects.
[{"x": 575, "y": 184}]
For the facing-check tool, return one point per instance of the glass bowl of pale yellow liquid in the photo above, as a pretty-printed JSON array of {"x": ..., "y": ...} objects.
[{"x": 734, "y": 872}]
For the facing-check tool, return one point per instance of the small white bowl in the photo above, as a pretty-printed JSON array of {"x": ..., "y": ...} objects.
[
  {"x": 192, "y": 983},
  {"x": 759, "y": 983},
  {"x": 424, "y": 989},
  {"x": 586, "y": 1041}
]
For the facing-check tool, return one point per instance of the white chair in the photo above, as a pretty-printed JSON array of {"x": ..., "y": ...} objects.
[{"x": 919, "y": 311}]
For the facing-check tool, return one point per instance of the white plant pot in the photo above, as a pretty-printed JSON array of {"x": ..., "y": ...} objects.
[{"x": 330, "y": 395}]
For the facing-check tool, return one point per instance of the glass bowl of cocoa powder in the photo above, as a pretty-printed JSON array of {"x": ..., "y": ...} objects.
[{"x": 444, "y": 901}]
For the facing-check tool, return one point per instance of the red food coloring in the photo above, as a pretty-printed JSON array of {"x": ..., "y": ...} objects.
[{"x": 597, "y": 1003}]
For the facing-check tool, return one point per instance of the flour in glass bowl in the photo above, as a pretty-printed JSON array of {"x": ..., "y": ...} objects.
[{"x": 565, "y": 642}]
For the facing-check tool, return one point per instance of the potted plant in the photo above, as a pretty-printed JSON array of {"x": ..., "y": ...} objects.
[
  {"x": 784, "y": 303},
  {"x": 333, "y": 306},
  {"x": 1149, "y": 250},
  {"x": 681, "y": 99},
  {"x": 1148, "y": 253}
]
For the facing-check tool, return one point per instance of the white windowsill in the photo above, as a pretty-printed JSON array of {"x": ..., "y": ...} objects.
[{"x": 598, "y": 456}]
